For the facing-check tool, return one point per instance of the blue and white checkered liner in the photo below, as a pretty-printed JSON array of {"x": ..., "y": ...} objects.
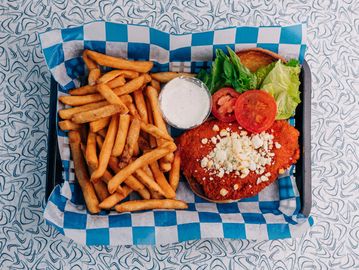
[{"x": 272, "y": 214}]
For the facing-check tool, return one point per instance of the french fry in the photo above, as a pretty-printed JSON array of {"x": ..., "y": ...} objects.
[
  {"x": 165, "y": 166},
  {"x": 144, "y": 193},
  {"x": 91, "y": 155},
  {"x": 99, "y": 124},
  {"x": 137, "y": 205},
  {"x": 106, "y": 177},
  {"x": 111, "y": 201},
  {"x": 155, "y": 195},
  {"x": 83, "y": 134},
  {"x": 113, "y": 164},
  {"x": 110, "y": 96},
  {"x": 81, "y": 100},
  {"x": 152, "y": 96},
  {"x": 124, "y": 123},
  {"x": 119, "y": 63},
  {"x": 129, "y": 74},
  {"x": 155, "y": 131},
  {"x": 109, "y": 76},
  {"x": 99, "y": 141},
  {"x": 162, "y": 182},
  {"x": 148, "y": 78},
  {"x": 131, "y": 181},
  {"x": 174, "y": 175},
  {"x": 167, "y": 159},
  {"x": 96, "y": 114},
  {"x": 92, "y": 98},
  {"x": 68, "y": 113},
  {"x": 84, "y": 90},
  {"x": 143, "y": 160},
  {"x": 157, "y": 118},
  {"x": 88, "y": 62},
  {"x": 93, "y": 76},
  {"x": 136, "y": 149},
  {"x": 141, "y": 105},
  {"x": 148, "y": 171},
  {"x": 131, "y": 86},
  {"x": 156, "y": 84},
  {"x": 133, "y": 111},
  {"x": 119, "y": 81},
  {"x": 148, "y": 181},
  {"x": 100, "y": 187},
  {"x": 116, "y": 78},
  {"x": 132, "y": 138},
  {"x": 115, "y": 198},
  {"x": 106, "y": 149},
  {"x": 127, "y": 99},
  {"x": 101, "y": 191},
  {"x": 152, "y": 140},
  {"x": 67, "y": 125},
  {"x": 164, "y": 77},
  {"x": 81, "y": 173}
]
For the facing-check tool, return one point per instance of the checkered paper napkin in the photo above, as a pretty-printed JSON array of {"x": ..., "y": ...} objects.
[{"x": 272, "y": 214}]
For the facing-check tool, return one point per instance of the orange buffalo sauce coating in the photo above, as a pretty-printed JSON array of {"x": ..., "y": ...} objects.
[{"x": 231, "y": 186}]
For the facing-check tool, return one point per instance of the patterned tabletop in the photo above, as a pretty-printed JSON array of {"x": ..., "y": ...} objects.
[{"x": 333, "y": 34}]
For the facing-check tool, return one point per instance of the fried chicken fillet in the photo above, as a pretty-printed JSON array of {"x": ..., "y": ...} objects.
[{"x": 192, "y": 151}]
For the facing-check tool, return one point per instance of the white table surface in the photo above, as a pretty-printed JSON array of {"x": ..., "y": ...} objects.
[{"x": 333, "y": 55}]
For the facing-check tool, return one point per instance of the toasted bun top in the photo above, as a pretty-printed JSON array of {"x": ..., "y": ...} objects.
[{"x": 256, "y": 58}]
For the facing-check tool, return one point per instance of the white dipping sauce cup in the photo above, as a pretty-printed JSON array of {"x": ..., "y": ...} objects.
[{"x": 185, "y": 102}]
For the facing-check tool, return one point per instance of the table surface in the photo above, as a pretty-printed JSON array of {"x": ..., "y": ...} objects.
[{"x": 333, "y": 242}]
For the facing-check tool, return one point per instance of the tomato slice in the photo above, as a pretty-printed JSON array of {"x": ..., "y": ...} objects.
[
  {"x": 223, "y": 102},
  {"x": 255, "y": 110}
]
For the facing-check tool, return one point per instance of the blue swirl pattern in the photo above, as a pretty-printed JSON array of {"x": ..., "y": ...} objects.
[{"x": 26, "y": 242}]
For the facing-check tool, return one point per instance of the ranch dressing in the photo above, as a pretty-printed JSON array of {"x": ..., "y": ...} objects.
[{"x": 185, "y": 102}]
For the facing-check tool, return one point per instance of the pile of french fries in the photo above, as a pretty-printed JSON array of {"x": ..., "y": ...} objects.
[{"x": 118, "y": 138}]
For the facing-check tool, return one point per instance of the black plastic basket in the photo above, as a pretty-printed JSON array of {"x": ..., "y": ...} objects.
[{"x": 302, "y": 118}]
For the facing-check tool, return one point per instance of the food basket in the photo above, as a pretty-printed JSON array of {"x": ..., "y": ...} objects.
[{"x": 279, "y": 211}]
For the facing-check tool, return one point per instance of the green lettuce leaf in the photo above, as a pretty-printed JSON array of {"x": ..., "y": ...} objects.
[
  {"x": 292, "y": 63},
  {"x": 282, "y": 82},
  {"x": 205, "y": 77},
  {"x": 228, "y": 71},
  {"x": 243, "y": 79},
  {"x": 214, "y": 79},
  {"x": 262, "y": 73},
  {"x": 217, "y": 80}
]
